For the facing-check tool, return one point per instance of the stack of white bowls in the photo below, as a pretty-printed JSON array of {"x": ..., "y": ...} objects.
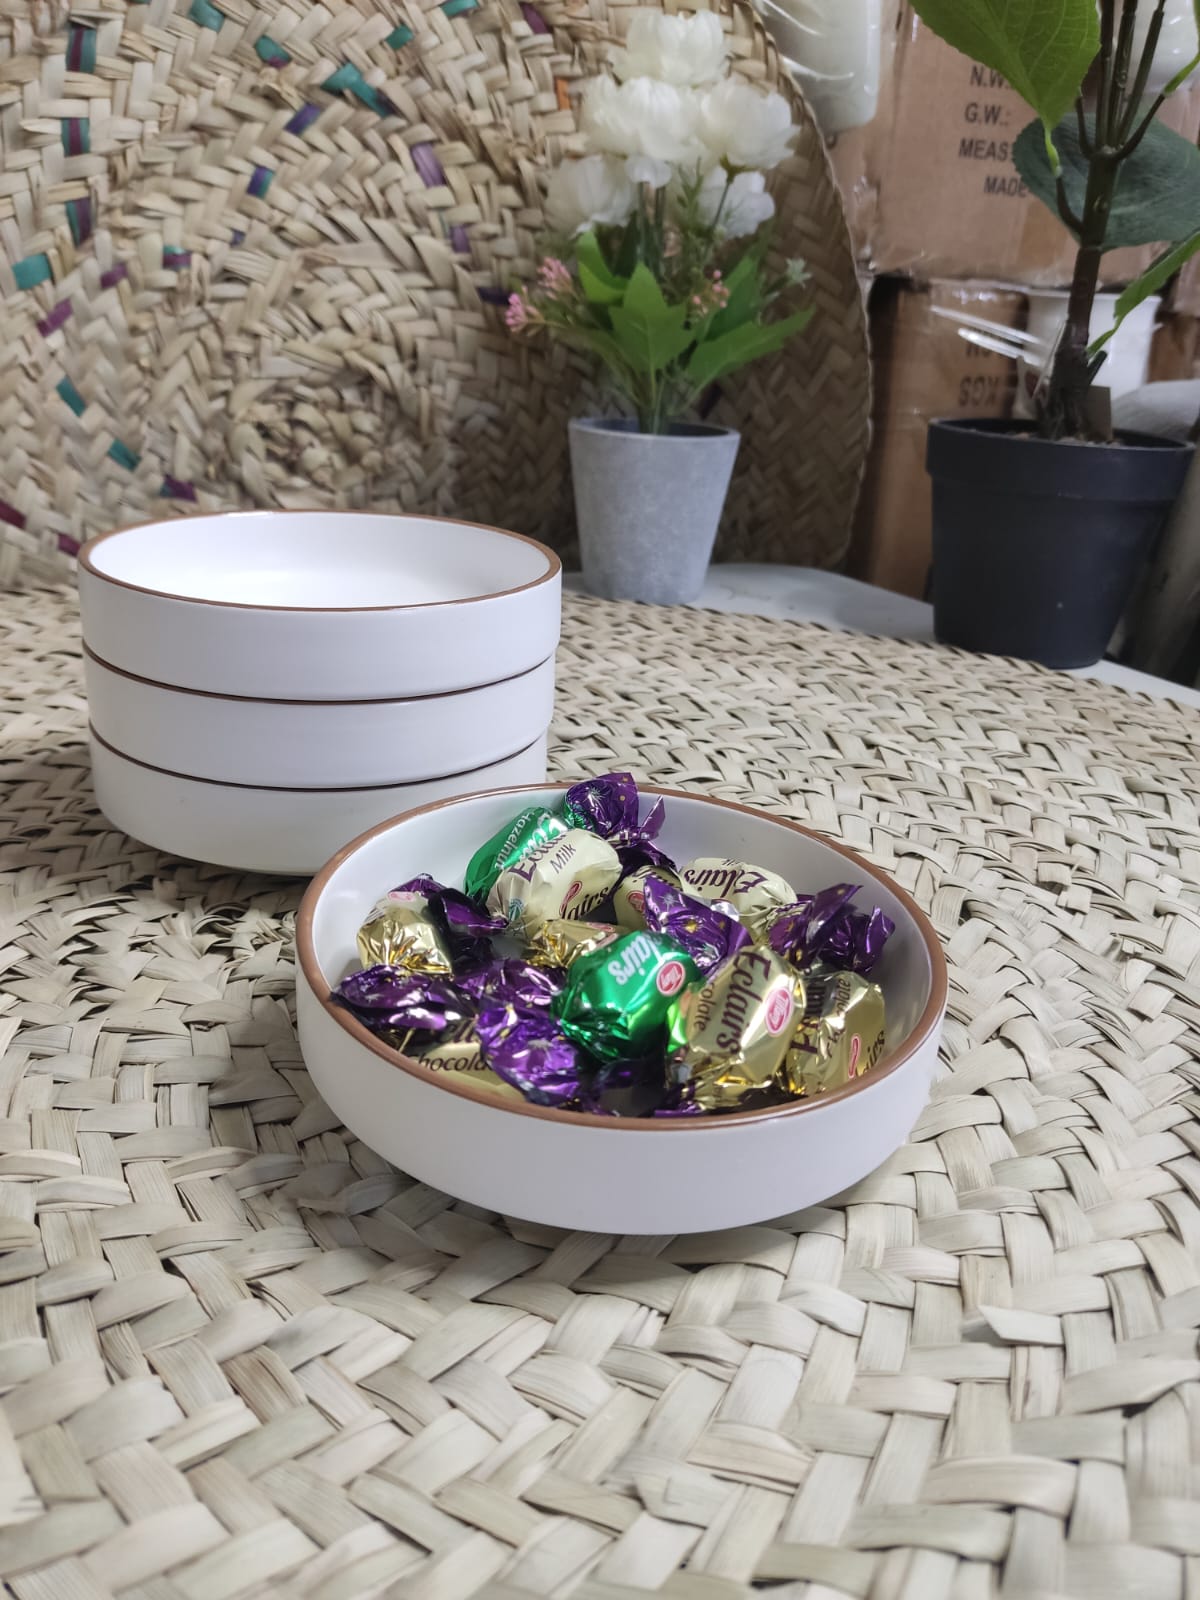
[{"x": 263, "y": 686}]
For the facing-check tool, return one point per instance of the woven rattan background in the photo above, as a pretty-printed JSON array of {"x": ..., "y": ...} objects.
[
  {"x": 252, "y": 253},
  {"x": 241, "y": 1359}
]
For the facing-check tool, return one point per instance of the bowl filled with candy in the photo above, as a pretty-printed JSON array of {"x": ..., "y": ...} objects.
[{"x": 621, "y": 1011}]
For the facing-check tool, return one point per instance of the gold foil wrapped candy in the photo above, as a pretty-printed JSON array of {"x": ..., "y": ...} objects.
[
  {"x": 458, "y": 1051},
  {"x": 841, "y": 1035},
  {"x": 568, "y": 877},
  {"x": 730, "y": 1037},
  {"x": 401, "y": 933},
  {"x": 752, "y": 892},
  {"x": 560, "y": 942}
]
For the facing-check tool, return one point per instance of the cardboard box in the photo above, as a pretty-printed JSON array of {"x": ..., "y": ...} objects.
[
  {"x": 923, "y": 369},
  {"x": 930, "y": 187}
]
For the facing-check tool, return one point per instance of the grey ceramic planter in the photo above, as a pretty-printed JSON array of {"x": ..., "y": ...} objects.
[{"x": 648, "y": 505}]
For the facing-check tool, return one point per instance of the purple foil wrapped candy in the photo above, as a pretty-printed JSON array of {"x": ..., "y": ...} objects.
[
  {"x": 527, "y": 1050},
  {"x": 610, "y": 806},
  {"x": 708, "y": 935},
  {"x": 387, "y": 1000},
  {"x": 795, "y": 932},
  {"x": 512, "y": 982},
  {"x": 464, "y": 925},
  {"x": 853, "y": 940}
]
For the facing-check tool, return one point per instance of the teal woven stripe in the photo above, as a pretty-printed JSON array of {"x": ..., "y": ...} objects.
[
  {"x": 32, "y": 271},
  {"x": 68, "y": 392},
  {"x": 205, "y": 15},
  {"x": 455, "y": 8},
  {"x": 270, "y": 52},
  {"x": 123, "y": 455},
  {"x": 399, "y": 37},
  {"x": 349, "y": 80}
]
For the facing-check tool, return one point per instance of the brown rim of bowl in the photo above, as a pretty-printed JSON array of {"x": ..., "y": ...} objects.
[
  {"x": 273, "y": 788},
  {"x": 266, "y": 700},
  {"x": 916, "y": 1038},
  {"x": 84, "y": 558}
]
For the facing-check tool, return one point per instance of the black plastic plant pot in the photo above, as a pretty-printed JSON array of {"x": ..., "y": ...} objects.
[{"x": 1037, "y": 545}]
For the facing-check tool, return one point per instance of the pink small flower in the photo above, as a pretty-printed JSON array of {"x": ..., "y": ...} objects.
[
  {"x": 716, "y": 276},
  {"x": 555, "y": 277},
  {"x": 517, "y": 315}
]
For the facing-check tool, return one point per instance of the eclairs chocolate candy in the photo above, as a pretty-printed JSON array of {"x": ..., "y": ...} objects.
[
  {"x": 568, "y": 876},
  {"x": 512, "y": 982},
  {"x": 393, "y": 1003},
  {"x": 753, "y": 892},
  {"x": 629, "y": 897},
  {"x": 402, "y": 931},
  {"x": 611, "y": 806},
  {"x": 529, "y": 1052},
  {"x": 561, "y": 942},
  {"x": 617, "y": 999},
  {"x": 707, "y": 934},
  {"x": 841, "y": 1035},
  {"x": 459, "y": 1054},
  {"x": 532, "y": 827},
  {"x": 731, "y": 1036}
]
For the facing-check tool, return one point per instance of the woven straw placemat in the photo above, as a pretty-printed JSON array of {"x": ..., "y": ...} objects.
[
  {"x": 256, "y": 253},
  {"x": 242, "y": 1359}
]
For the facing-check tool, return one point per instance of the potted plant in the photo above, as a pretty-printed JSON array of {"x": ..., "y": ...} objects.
[
  {"x": 1040, "y": 529},
  {"x": 658, "y": 270}
]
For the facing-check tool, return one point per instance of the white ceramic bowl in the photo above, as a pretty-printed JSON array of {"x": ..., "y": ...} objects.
[
  {"x": 319, "y": 605},
  {"x": 288, "y": 831},
  {"x": 596, "y": 1173},
  {"x": 317, "y": 744}
]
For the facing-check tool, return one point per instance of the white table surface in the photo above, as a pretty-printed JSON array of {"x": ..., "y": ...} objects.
[{"x": 807, "y": 595}]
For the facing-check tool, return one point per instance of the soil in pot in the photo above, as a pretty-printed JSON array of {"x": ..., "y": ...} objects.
[{"x": 1037, "y": 545}]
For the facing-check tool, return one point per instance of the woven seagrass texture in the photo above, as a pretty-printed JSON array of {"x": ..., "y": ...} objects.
[
  {"x": 243, "y": 1359},
  {"x": 254, "y": 253}
]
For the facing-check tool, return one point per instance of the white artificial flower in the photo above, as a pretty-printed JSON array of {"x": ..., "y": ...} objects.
[
  {"x": 743, "y": 127},
  {"x": 585, "y": 194},
  {"x": 740, "y": 209},
  {"x": 642, "y": 117},
  {"x": 686, "y": 51}
]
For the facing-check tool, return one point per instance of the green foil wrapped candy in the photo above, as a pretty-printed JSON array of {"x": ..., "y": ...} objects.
[
  {"x": 534, "y": 826},
  {"x": 617, "y": 1000}
]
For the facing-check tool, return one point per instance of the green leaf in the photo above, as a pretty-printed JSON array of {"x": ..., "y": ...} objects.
[
  {"x": 650, "y": 332},
  {"x": 716, "y": 357},
  {"x": 600, "y": 284},
  {"x": 1151, "y": 281},
  {"x": 1157, "y": 197},
  {"x": 1043, "y": 47}
]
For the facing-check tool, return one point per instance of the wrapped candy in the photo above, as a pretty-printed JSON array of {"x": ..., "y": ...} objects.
[
  {"x": 512, "y": 982},
  {"x": 561, "y": 942},
  {"x": 629, "y": 897},
  {"x": 401, "y": 931},
  {"x": 568, "y": 876},
  {"x": 617, "y": 1000},
  {"x": 460, "y": 1053},
  {"x": 730, "y": 1038},
  {"x": 610, "y": 806},
  {"x": 841, "y": 1034},
  {"x": 533, "y": 826},
  {"x": 707, "y": 935},
  {"x": 395, "y": 1003},
  {"x": 754, "y": 893},
  {"x": 528, "y": 1051},
  {"x": 825, "y": 928}
]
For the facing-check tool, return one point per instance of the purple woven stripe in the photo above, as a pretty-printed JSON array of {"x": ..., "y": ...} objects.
[
  {"x": 114, "y": 275},
  {"x": 177, "y": 489},
  {"x": 238, "y": 237},
  {"x": 535, "y": 19},
  {"x": 11, "y": 515},
  {"x": 460, "y": 242},
  {"x": 303, "y": 119},
  {"x": 427, "y": 164},
  {"x": 75, "y": 49},
  {"x": 68, "y": 546},
  {"x": 175, "y": 260},
  {"x": 79, "y": 214},
  {"x": 55, "y": 320},
  {"x": 74, "y": 129},
  {"x": 492, "y": 295}
]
